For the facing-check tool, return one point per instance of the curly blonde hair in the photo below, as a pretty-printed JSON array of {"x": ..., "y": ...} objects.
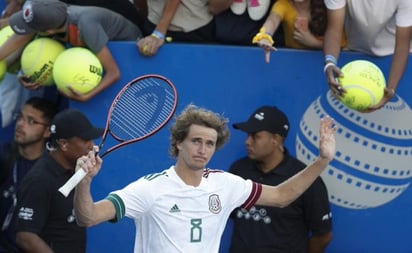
[{"x": 193, "y": 115}]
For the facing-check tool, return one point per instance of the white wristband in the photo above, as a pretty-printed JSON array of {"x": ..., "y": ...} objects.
[{"x": 327, "y": 65}]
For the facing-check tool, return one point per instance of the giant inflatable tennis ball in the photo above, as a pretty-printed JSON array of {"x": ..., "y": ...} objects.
[
  {"x": 5, "y": 33},
  {"x": 38, "y": 58},
  {"x": 77, "y": 68},
  {"x": 364, "y": 83}
]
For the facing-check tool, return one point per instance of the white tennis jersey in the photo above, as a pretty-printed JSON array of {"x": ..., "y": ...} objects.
[
  {"x": 370, "y": 24},
  {"x": 171, "y": 216}
]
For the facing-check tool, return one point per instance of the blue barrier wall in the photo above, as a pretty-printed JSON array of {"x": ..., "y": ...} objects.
[{"x": 234, "y": 81}]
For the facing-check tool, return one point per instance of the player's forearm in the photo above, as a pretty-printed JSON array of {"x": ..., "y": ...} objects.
[
  {"x": 83, "y": 204},
  {"x": 288, "y": 191},
  {"x": 298, "y": 184}
]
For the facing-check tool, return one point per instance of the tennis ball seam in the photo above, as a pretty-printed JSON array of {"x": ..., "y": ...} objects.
[{"x": 355, "y": 86}]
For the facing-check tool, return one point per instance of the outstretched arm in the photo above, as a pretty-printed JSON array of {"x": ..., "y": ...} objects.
[
  {"x": 399, "y": 61},
  {"x": 331, "y": 48},
  {"x": 264, "y": 38},
  {"x": 150, "y": 44},
  {"x": 285, "y": 193}
]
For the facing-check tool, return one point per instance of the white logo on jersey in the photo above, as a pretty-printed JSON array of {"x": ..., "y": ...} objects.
[
  {"x": 255, "y": 214},
  {"x": 214, "y": 204},
  {"x": 327, "y": 216},
  {"x": 26, "y": 213}
]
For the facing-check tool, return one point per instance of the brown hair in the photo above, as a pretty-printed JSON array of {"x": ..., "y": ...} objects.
[
  {"x": 319, "y": 20},
  {"x": 193, "y": 115}
]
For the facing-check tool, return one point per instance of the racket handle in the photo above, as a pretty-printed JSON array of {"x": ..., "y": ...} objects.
[{"x": 72, "y": 182}]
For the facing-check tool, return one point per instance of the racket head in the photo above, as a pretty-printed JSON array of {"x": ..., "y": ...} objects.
[{"x": 140, "y": 109}]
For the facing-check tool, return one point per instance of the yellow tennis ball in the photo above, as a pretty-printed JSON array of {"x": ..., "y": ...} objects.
[
  {"x": 38, "y": 58},
  {"x": 364, "y": 83},
  {"x": 78, "y": 68},
  {"x": 3, "y": 69},
  {"x": 5, "y": 33}
]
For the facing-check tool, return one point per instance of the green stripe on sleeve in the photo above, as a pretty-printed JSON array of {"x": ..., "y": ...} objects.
[{"x": 118, "y": 205}]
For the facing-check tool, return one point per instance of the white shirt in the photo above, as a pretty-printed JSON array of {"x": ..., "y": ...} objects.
[
  {"x": 171, "y": 216},
  {"x": 190, "y": 14},
  {"x": 370, "y": 24}
]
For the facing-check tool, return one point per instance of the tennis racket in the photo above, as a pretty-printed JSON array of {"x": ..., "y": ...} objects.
[{"x": 140, "y": 109}]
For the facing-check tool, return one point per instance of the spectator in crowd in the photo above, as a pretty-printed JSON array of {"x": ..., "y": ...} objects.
[
  {"x": 189, "y": 196},
  {"x": 239, "y": 28},
  {"x": 123, "y": 7},
  {"x": 304, "y": 226},
  {"x": 375, "y": 27},
  {"x": 177, "y": 20},
  {"x": 87, "y": 26},
  {"x": 46, "y": 221},
  {"x": 304, "y": 24},
  {"x": 17, "y": 158}
]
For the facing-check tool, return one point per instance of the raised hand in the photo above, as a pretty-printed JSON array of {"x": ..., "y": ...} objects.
[{"x": 327, "y": 144}]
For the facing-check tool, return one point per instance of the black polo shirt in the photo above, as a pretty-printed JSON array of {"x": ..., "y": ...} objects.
[
  {"x": 267, "y": 229},
  {"x": 43, "y": 210}
]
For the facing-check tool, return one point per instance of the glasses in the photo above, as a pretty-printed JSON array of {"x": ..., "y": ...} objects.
[{"x": 29, "y": 120}]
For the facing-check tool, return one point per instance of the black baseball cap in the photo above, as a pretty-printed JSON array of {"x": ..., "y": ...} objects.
[
  {"x": 73, "y": 123},
  {"x": 38, "y": 16},
  {"x": 266, "y": 118}
]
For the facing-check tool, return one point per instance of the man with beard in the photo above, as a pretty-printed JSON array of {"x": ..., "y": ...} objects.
[{"x": 17, "y": 158}]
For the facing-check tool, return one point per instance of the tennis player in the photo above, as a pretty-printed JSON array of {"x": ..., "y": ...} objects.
[{"x": 185, "y": 207}]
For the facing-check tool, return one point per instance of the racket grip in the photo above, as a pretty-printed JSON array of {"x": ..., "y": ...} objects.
[{"x": 72, "y": 182}]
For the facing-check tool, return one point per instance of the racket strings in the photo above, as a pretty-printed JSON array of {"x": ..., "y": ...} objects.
[{"x": 142, "y": 108}]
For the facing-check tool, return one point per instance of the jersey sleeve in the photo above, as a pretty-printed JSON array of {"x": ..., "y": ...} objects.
[
  {"x": 244, "y": 191},
  {"x": 133, "y": 200}
]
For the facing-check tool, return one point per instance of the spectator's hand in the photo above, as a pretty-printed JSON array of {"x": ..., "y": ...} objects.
[
  {"x": 26, "y": 83},
  {"x": 388, "y": 95},
  {"x": 267, "y": 47},
  {"x": 264, "y": 40},
  {"x": 149, "y": 45},
  {"x": 306, "y": 38},
  {"x": 332, "y": 72},
  {"x": 74, "y": 95}
]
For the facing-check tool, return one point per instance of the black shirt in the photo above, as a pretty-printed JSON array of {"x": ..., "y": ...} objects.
[
  {"x": 267, "y": 229},
  {"x": 43, "y": 210}
]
